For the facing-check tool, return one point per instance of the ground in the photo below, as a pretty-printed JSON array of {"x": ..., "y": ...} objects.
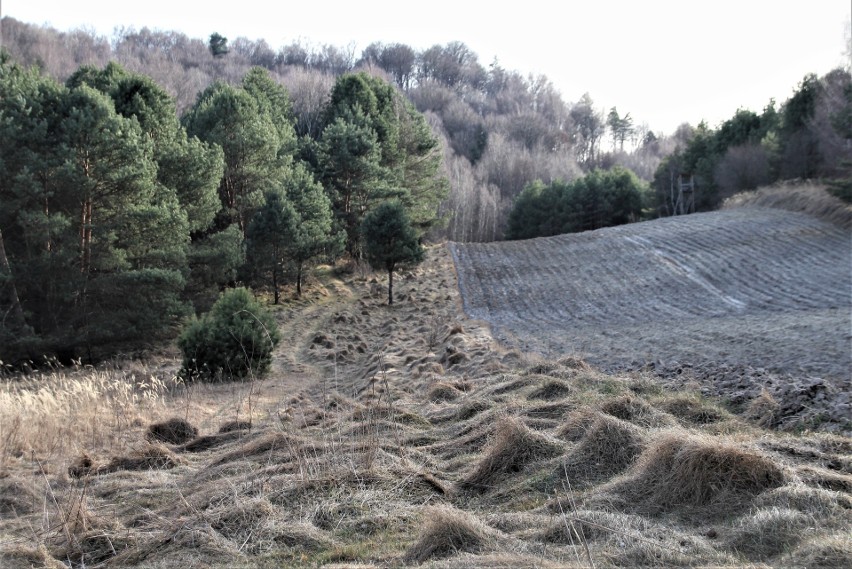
[{"x": 408, "y": 435}]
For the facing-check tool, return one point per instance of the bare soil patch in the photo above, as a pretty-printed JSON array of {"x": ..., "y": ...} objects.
[{"x": 739, "y": 301}]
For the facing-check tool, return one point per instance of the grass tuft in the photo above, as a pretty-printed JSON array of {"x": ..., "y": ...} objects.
[
  {"x": 447, "y": 531},
  {"x": 514, "y": 447},
  {"x": 174, "y": 431},
  {"x": 682, "y": 472}
]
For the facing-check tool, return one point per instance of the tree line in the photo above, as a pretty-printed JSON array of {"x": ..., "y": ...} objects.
[
  {"x": 119, "y": 220},
  {"x": 500, "y": 129}
]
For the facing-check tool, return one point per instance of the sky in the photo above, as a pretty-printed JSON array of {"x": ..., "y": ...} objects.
[{"x": 665, "y": 62}]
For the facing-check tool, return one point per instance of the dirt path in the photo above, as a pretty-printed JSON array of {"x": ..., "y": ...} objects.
[{"x": 342, "y": 336}]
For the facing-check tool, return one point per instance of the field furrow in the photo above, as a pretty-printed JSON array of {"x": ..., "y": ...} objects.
[{"x": 751, "y": 286}]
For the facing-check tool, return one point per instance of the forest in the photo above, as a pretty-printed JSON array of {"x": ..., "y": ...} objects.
[{"x": 160, "y": 168}]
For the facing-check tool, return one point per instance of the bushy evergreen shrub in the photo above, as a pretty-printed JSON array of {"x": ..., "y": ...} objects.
[{"x": 233, "y": 341}]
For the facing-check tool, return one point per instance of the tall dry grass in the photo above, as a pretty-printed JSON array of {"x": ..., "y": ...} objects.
[
  {"x": 60, "y": 413},
  {"x": 807, "y": 197}
]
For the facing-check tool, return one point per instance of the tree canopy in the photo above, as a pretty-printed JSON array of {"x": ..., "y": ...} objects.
[
  {"x": 390, "y": 241},
  {"x": 600, "y": 199}
]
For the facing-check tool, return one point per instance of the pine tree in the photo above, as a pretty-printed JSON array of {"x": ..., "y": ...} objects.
[{"x": 390, "y": 241}]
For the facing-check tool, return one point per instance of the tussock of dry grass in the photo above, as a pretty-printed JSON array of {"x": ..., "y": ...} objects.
[
  {"x": 827, "y": 479},
  {"x": 635, "y": 410},
  {"x": 690, "y": 410},
  {"x": 447, "y": 531},
  {"x": 607, "y": 448},
  {"x": 551, "y": 389},
  {"x": 764, "y": 410},
  {"x": 577, "y": 423},
  {"x": 818, "y": 503},
  {"x": 809, "y": 198},
  {"x": 236, "y": 425},
  {"x": 829, "y": 551},
  {"x": 514, "y": 447},
  {"x": 149, "y": 457},
  {"x": 18, "y": 495},
  {"x": 682, "y": 472},
  {"x": 174, "y": 431},
  {"x": 443, "y": 391},
  {"x": 767, "y": 533}
]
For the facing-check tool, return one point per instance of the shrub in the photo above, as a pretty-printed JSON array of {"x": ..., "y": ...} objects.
[{"x": 234, "y": 340}]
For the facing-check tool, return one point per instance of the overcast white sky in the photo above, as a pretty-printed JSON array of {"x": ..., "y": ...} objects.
[{"x": 664, "y": 61}]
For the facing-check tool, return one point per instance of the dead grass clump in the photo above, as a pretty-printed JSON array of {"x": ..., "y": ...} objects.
[
  {"x": 818, "y": 503},
  {"x": 633, "y": 409},
  {"x": 608, "y": 448},
  {"x": 767, "y": 533},
  {"x": 827, "y": 479},
  {"x": 300, "y": 537},
  {"x": 577, "y": 423},
  {"x": 553, "y": 410},
  {"x": 24, "y": 557},
  {"x": 443, "y": 391},
  {"x": 573, "y": 363},
  {"x": 511, "y": 384},
  {"x": 690, "y": 410},
  {"x": 95, "y": 546},
  {"x": 18, "y": 496},
  {"x": 514, "y": 447},
  {"x": 562, "y": 368},
  {"x": 764, "y": 410},
  {"x": 207, "y": 442},
  {"x": 805, "y": 197},
  {"x": 175, "y": 431},
  {"x": 830, "y": 551},
  {"x": 589, "y": 525},
  {"x": 236, "y": 425},
  {"x": 471, "y": 408},
  {"x": 186, "y": 542},
  {"x": 681, "y": 471},
  {"x": 447, "y": 531},
  {"x": 551, "y": 389},
  {"x": 152, "y": 457},
  {"x": 240, "y": 520},
  {"x": 260, "y": 447}
]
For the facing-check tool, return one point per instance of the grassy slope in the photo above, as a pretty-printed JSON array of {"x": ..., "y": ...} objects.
[{"x": 404, "y": 436}]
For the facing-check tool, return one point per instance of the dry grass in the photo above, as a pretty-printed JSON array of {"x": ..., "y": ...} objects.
[
  {"x": 448, "y": 531},
  {"x": 809, "y": 198},
  {"x": 174, "y": 431},
  {"x": 514, "y": 447},
  {"x": 365, "y": 462},
  {"x": 57, "y": 413},
  {"x": 696, "y": 475},
  {"x": 608, "y": 447}
]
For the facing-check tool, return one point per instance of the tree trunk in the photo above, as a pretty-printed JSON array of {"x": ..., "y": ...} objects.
[
  {"x": 390, "y": 287},
  {"x": 299, "y": 280},
  {"x": 17, "y": 312},
  {"x": 275, "y": 292}
]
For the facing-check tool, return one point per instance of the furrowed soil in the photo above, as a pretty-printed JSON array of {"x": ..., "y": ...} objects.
[
  {"x": 738, "y": 300},
  {"x": 407, "y": 435}
]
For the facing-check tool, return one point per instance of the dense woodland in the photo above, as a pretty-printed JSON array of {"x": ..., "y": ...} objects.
[{"x": 163, "y": 168}]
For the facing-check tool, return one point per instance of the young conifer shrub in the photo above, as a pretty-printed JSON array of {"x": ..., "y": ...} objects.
[{"x": 233, "y": 341}]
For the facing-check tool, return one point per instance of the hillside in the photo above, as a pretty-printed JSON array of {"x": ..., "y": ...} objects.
[
  {"x": 738, "y": 300},
  {"x": 406, "y": 436}
]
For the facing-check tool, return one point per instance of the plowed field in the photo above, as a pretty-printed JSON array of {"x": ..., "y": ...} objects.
[{"x": 752, "y": 286}]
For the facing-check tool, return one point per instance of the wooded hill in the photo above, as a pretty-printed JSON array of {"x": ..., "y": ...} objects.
[
  {"x": 160, "y": 168},
  {"x": 501, "y": 129}
]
